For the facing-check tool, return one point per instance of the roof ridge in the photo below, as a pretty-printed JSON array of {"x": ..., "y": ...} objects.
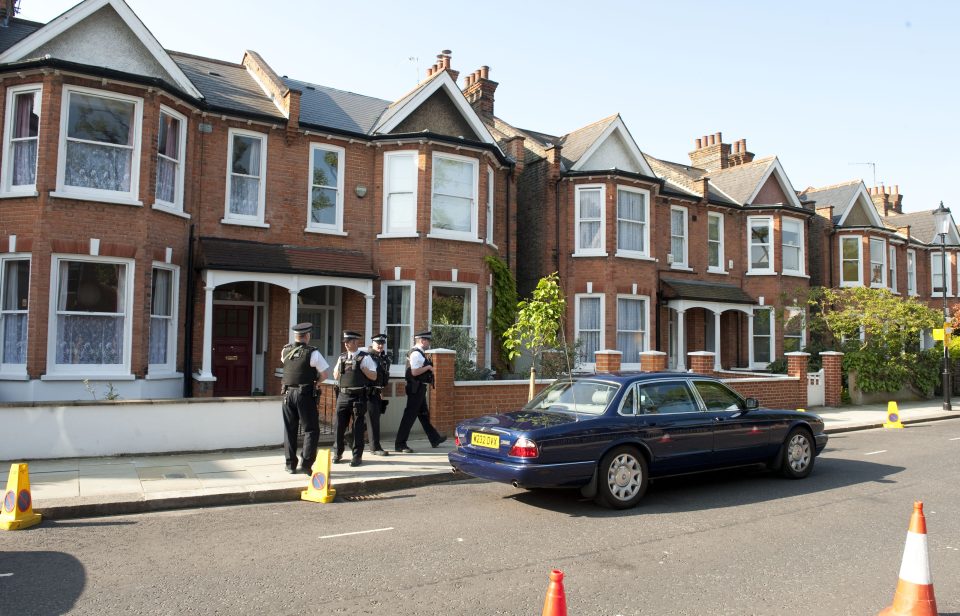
[
  {"x": 204, "y": 58},
  {"x": 595, "y": 122},
  {"x": 821, "y": 188},
  {"x": 320, "y": 85}
]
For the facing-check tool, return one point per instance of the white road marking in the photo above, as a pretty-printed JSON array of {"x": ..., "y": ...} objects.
[
  {"x": 5, "y": 574},
  {"x": 359, "y": 532},
  {"x": 873, "y": 452},
  {"x": 955, "y": 439}
]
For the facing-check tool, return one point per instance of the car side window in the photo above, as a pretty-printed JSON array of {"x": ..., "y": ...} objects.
[
  {"x": 717, "y": 397},
  {"x": 666, "y": 398},
  {"x": 628, "y": 406}
]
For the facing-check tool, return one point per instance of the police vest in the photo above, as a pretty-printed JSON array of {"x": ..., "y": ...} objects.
[
  {"x": 296, "y": 364},
  {"x": 351, "y": 376},
  {"x": 424, "y": 377},
  {"x": 383, "y": 368}
]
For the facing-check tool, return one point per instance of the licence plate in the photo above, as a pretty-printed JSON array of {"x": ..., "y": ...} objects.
[{"x": 490, "y": 441}]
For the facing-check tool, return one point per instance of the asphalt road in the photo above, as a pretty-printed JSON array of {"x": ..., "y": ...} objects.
[{"x": 739, "y": 542}]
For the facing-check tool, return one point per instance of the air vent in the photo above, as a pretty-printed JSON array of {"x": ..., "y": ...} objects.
[
  {"x": 311, "y": 88},
  {"x": 214, "y": 73}
]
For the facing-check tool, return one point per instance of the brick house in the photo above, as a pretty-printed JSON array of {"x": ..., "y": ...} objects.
[{"x": 165, "y": 217}]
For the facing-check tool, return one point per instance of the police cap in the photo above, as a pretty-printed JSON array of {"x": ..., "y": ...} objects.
[
  {"x": 426, "y": 335},
  {"x": 302, "y": 328},
  {"x": 382, "y": 338},
  {"x": 349, "y": 335}
]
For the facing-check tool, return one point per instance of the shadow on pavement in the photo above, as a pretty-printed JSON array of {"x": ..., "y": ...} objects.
[
  {"x": 85, "y": 524},
  {"x": 41, "y": 582}
]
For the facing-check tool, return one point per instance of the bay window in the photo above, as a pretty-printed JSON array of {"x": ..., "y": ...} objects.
[
  {"x": 246, "y": 181},
  {"x": 851, "y": 273},
  {"x": 21, "y": 139},
  {"x": 163, "y": 319},
  {"x": 14, "y": 298},
  {"x": 631, "y": 327},
  {"x": 589, "y": 326},
  {"x": 791, "y": 234},
  {"x": 715, "y": 242},
  {"x": 326, "y": 188},
  {"x": 171, "y": 149},
  {"x": 678, "y": 237},
  {"x": 892, "y": 268},
  {"x": 762, "y": 337},
  {"x": 911, "y": 272},
  {"x": 937, "y": 275},
  {"x": 400, "y": 193},
  {"x": 397, "y": 309},
  {"x": 794, "y": 329},
  {"x": 633, "y": 233},
  {"x": 760, "y": 239},
  {"x": 878, "y": 263},
  {"x": 454, "y": 305},
  {"x": 590, "y": 219},
  {"x": 453, "y": 207},
  {"x": 490, "y": 195}
]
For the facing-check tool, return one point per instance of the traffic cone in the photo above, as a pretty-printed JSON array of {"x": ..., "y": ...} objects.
[
  {"x": 893, "y": 416},
  {"x": 914, "y": 596},
  {"x": 17, "y": 503},
  {"x": 556, "y": 601},
  {"x": 319, "y": 490}
]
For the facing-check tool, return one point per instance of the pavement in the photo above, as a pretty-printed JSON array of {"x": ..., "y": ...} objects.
[{"x": 87, "y": 487}]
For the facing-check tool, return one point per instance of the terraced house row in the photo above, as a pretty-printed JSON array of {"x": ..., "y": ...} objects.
[{"x": 165, "y": 218}]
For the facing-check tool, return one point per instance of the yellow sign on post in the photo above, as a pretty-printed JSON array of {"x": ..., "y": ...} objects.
[{"x": 938, "y": 334}]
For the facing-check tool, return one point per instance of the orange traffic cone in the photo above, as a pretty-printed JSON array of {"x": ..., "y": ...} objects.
[
  {"x": 914, "y": 596},
  {"x": 17, "y": 511},
  {"x": 556, "y": 602}
]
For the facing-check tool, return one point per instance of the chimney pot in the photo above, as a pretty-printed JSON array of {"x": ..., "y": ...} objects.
[
  {"x": 744, "y": 146},
  {"x": 469, "y": 80},
  {"x": 484, "y": 72},
  {"x": 896, "y": 189},
  {"x": 476, "y": 75},
  {"x": 719, "y": 138},
  {"x": 736, "y": 147},
  {"x": 697, "y": 147},
  {"x": 713, "y": 140}
]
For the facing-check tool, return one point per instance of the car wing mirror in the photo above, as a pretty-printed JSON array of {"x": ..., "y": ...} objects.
[{"x": 751, "y": 404}]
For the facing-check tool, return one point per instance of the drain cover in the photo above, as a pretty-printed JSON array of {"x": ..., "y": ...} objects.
[{"x": 174, "y": 476}]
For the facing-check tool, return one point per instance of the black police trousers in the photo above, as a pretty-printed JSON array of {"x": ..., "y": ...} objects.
[
  {"x": 374, "y": 409},
  {"x": 300, "y": 406},
  {"x": 416, "y": 409},
  {"x": 350, "y": 405}
]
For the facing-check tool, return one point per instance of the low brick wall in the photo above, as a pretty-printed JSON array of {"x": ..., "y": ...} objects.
[
  {"x": 785, "y": 392},
  {"x": 476, "y": 398}
]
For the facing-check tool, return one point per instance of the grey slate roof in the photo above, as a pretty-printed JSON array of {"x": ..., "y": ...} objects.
[
  {"x": 16, "y": 31},
  {"x": 576, "y": 143},
  {"x": 685, "y": 179},
  {"x": 922, "y": 225},
  {"x": 337, "y": 109},
  {"x": 739, "y": 182},
  {"x": 838, "y": 196},
  {"x": 226, "y": 85},
  {"x": 705, "y": 291},
  {"x": 394, "y": 107}
]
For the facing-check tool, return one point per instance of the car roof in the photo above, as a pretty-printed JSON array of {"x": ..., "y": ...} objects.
[{"x": 624, "y": 377}]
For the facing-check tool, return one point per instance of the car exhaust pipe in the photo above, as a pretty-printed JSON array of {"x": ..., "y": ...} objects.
[{"x": 515, "y": 483}]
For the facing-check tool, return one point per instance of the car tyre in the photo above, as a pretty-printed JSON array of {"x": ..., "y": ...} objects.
[
  {"x": 797, "y": 454},
  {"x": 622, "y": 478}
]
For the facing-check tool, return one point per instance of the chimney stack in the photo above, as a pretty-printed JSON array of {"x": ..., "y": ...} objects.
[{"x": 479, "y": 90}]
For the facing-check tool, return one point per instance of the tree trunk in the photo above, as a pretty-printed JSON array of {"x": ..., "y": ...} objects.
[{"x": 533, "y": 386}]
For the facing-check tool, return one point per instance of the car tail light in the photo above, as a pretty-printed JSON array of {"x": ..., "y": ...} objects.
[
  {"x": 456, "y": 440},
  {"x": 524, "y": 448}
]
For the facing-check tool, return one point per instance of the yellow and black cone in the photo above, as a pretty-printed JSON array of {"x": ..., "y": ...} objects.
[
  {"x": 17, "y": 509},
  {"x": 319, "y": 489},
  {"x": 893, "y": 416}
]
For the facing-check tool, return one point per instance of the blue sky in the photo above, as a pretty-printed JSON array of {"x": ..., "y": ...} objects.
[{"x": 819, "y": 84}]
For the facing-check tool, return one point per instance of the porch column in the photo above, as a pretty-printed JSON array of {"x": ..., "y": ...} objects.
[
  {"x": 206, "y": 373},
  {"x": 368, "y": 317},
  {"x": 750, "y": 339},
  {"x": 681, "y": 341},
  {"x": 294, "y": 295},
  {"x": 716, "y": 340}
]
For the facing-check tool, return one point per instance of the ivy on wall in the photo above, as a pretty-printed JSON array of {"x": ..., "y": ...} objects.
[{"x": 504, "y": 311}]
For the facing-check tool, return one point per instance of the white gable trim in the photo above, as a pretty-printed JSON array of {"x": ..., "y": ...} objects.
[
  {"x": 776, "y": 169},
  {"x": 83, "y": 10},
  {"x": 443, "y": 80},
  {"x": 616, "y": 126},
  {"x": 872, "y": 213}
]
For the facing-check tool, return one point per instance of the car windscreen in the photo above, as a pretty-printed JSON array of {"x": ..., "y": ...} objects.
[{"x": 584, "y": 397}]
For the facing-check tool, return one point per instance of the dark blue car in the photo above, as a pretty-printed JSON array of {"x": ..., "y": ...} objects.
[{"x": 609, "y": 434}]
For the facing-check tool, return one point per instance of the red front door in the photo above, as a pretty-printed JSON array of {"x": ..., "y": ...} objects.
[{"x": 232, "y": 350}]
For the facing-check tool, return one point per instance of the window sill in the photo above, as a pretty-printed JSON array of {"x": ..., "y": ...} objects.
[
  {"x": 78, "y": 196},
  {"x": 19, "y": 194},
  {"x": 91, "y": 376},
  {"x": 325, "y": 231},
  {"x": 14, "y": 376},
  {"x": 682, "y": 268},
  {"x": 244, "y": 223},
  {"x": 761, "y": 273},
  {"x": 492, "y": 245},
  {"x": 166, "y": 209},
  {"x": 623, "y": 254},
  {"x": 394, "y": 236},
  {"x": 717, "y": 271},
  {"x": 455, "y": 238},
  {"x": 851, "y": 284},
  {"x": 796, "y": 275},
  {"x": 161, "y": 376},
  {"x": 579, "y": 255}
]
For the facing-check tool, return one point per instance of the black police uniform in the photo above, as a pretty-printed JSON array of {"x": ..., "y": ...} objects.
[
  {"x": 377, "y": 405},
  {"x": 299, "y": 404},
  {"x": 351, "y": 403},
  {"x": 417, "y": 408}
]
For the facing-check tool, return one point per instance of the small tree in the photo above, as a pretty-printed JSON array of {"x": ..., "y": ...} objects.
[{"x": 539, "y": 323}]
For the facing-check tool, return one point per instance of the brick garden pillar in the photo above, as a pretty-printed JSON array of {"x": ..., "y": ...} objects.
[
  {"x": 832, "y": 377},
  {"x": 608, "y": 361},
  {"x": 797, "y": 366},
  {"x": 701, "y": 362},
  {"x": 653, "y": 361},
  {"x": 441, "y": 400}
]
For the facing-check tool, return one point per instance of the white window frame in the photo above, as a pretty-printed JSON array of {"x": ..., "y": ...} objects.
[
  {"x": 457, "y": 285},
  {"x": 756, "y": 221},
  {"x": 578, "y": 297},
  {"x": 255, "y": 220},
  {"x": 892, "y": 266},
  {"x": 882, "y": 263},
  {"x": 634, "y": 364},
  {"x": 601, "y": 251},
  {"x": 789, "y": 313},
  {"x": 177, "y": 205},
  {"x": 170, "y": 366},
  {"x": 719, "y": 268},
  {"x": 389, "y": 229},
  {"x": 315, "y": 227},
  {"x": 911, "y": 272},
  {"x": 130, "y": 197},
  {"x": 10, "y": 370},
  {"x": 801, "y": 257},
  {"x": 859, "y": 281},
  {"x": 80, "y": 371},
  {"x": 7, "y": 170},
  {"x": 770, "y": 335},
  {"x": 645, "y": 232},
  {"x": 472, "y": 235},
  {"x": 402, "y": 346},
  {"x": 675, "y": 261},
  {"x": 490, "y": 206},
  {"x": 948, "y": 276}
]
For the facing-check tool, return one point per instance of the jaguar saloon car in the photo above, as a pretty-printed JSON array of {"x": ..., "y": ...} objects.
[{"x": 609, "y": 434}]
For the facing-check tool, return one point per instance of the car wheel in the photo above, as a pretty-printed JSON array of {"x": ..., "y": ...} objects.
[
  {"x": 797, "y": 454},
  {"x": 622, "y": 478}
]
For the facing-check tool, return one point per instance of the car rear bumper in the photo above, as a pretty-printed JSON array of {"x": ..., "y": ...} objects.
[
  {"x": 821, "y": 441},
  {"x": 530, "y": 475}
]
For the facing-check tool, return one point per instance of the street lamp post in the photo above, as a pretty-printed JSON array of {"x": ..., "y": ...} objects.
[{"x": 943, "y": 221}]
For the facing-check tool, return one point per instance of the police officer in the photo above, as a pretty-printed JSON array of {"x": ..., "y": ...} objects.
[
  {"x": 356, "y": 372},
  {"x": 303, "y": 368},
  {"x": 419, "y": 376},
  {"x": 378, "y": 405}
]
